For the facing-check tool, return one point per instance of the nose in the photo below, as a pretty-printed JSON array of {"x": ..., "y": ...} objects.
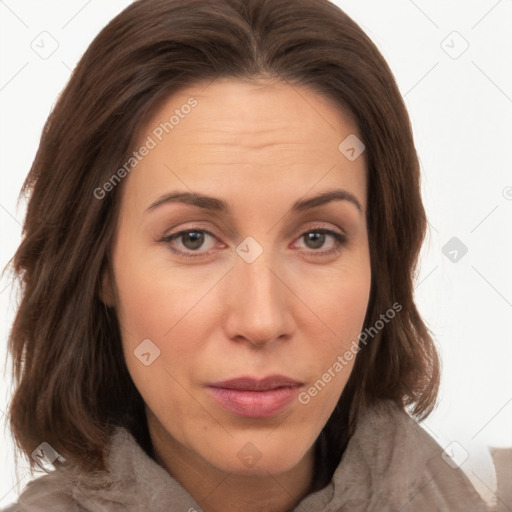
[{"x": 259, "y": 304}]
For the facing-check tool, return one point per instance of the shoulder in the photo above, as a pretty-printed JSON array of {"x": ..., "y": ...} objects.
[
  {"x": 47, "y": 492},
  {"x": 403, "y": 465},
  {"x": 132, "y": 481},
  {"x": 67, "y": 488}
]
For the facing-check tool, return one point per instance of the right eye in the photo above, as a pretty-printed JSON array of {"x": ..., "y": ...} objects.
[{"x": 191, "y": 241}]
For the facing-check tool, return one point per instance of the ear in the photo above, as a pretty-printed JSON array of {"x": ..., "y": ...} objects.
[{"x": 106, "y": 290}]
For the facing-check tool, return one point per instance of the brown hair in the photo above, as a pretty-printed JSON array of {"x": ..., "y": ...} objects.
[{"x": 72, "y": 382}]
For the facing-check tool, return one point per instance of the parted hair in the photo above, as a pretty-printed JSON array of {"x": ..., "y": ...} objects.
[{"x": 72, "y": 386}]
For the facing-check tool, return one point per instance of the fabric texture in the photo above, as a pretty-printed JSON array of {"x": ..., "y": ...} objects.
[{"x": 390, "y": 464}]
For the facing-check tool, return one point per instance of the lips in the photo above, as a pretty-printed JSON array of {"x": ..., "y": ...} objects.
[
  {"x": 255, "y": 398},
  {"x": 252, "y": 384}
]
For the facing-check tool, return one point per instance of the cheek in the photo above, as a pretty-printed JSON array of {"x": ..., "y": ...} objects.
[
  {"x": 156, "y": 334},
  {"x": 341, "y": 303},
  {"x": 341, "y": 298},
  {"x": 349, "y": 302},
  {"x": 153, "y": 297},
  {"x": 332, "y": 361},
  {"x": 157, "y": 302}
]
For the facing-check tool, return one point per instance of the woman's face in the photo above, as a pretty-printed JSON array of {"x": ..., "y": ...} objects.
[{"x": 258, "y": 281}]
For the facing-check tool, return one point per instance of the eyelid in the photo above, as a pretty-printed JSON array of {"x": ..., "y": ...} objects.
[{"x": 312, "y": 226}]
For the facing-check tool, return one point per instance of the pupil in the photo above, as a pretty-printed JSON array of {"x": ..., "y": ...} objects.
[
  {"x": 196, "y": 238},
  {"x": 317, "y": 239}
]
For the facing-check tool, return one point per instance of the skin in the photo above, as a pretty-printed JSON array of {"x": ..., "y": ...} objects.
[{"x": 259, "y": 147}]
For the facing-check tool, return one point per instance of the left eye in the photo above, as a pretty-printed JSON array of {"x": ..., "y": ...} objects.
[
  {"x": 316, "y": 238},
  {"x": 192, "y": 241}
]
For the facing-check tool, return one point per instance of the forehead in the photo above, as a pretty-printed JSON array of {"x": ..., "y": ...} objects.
[
  {"x": 240, "y": 135},
  {"x": 242, "y": 110}
]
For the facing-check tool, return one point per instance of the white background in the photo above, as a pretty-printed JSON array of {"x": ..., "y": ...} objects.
[{"x": 461, "y": 112}]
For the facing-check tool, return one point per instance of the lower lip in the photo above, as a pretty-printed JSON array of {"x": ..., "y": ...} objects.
[{"x": 255, "y": 404}]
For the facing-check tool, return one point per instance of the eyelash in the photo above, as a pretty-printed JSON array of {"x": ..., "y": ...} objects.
[{"x": 340, "y": 242}]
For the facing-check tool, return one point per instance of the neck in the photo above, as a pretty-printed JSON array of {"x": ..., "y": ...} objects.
[{"x": 216, "y": 490}]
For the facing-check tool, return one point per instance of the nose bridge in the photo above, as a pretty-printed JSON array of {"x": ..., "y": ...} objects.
[{"x": 259, "y": 305}]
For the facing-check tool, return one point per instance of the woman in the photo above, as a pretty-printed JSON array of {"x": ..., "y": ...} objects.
[{"x": 218, "y": 260}]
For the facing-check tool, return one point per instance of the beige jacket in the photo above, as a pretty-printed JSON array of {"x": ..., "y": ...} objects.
[{"x": 390, "y": 465}]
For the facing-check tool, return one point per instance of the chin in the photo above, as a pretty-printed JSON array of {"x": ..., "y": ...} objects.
[{"x": 259, "y": 454}]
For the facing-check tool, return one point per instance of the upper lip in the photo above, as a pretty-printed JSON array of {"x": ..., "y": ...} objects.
[{"x": 255, "y": 384}]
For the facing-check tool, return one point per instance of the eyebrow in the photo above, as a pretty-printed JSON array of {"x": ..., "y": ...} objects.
[{"x": 218, "y": 205}]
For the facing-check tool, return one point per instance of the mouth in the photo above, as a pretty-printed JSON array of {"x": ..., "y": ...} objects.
[{"x": 255, "y": 398}]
